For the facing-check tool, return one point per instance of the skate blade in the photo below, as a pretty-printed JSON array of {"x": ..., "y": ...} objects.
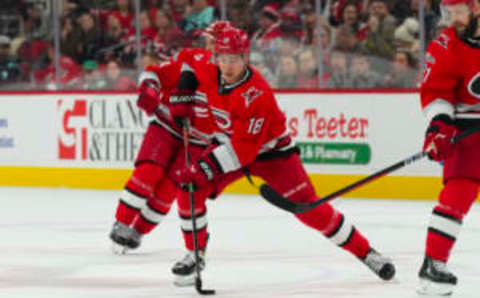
[
  {"x": 429, "y": 288},
  {"x": 184, "y": 281},
  {"x": 118, "y": 249}
]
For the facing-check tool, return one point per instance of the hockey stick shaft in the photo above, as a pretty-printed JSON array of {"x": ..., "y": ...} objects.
[
  {"x": 191, "y": 195},
  {"x": 283, "y": 203}
]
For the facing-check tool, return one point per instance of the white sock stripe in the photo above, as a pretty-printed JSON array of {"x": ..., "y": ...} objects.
[
  {"x": 341, "y": 236},
  {"x": 152, "y": 215},
  {"x": 445, "y": 225},
  {"x": 132, "y": 199},
  {"x": 187, "y": 225}
]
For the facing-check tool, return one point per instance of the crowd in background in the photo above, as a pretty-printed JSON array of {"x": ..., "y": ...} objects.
[{"x": 348, "y": 44}]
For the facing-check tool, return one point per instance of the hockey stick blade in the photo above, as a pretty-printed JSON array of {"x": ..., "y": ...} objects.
[
  {"x": 283, "y": 203},
  {"x": 198, "y": 286}
]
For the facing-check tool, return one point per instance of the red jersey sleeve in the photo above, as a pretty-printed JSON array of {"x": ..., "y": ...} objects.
[{"x": 441, "y": 77}]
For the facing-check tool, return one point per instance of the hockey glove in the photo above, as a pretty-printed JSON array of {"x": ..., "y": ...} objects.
[
  {"x": 149, "y": 96},
  {"x": 438, "y": 140},
  {"x": 200, "y": 172},
  {"x": 181, "y": 106}
]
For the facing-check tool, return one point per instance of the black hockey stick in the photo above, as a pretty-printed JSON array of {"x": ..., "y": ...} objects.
[
  {"x": 278, "y": 200},
  {"x": 198, "y": 278}
]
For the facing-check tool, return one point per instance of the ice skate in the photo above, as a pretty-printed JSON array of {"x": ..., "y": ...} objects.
[
  {"x": 124, "y": 238},
  {"x": 435, "y": 279},
  {"x": 184, "y": 270},
  {"x": 380, "y": 265}
]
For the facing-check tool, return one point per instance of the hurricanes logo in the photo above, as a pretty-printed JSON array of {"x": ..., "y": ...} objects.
[
  {"x": 474, "y": 86},
  {"x": 72, "y": 138},
  {"x": 250, "y": 95}
]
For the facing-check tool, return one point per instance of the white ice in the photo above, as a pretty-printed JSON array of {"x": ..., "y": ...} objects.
[{"x": 54, "y": 244}]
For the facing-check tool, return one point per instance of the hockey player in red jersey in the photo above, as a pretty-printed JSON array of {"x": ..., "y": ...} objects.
[
  {"x": 149, "y": 192},
  {"x": 252, "y": 137},
  {"x": 449, "y": 98}
]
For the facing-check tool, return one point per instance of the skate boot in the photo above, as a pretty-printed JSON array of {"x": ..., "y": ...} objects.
[
  {"x": 380, "y": 265},
  {"x": 184, "y": 270},
  {"x": 435, "y": 279},
  {"x": 124, "y": 238}
]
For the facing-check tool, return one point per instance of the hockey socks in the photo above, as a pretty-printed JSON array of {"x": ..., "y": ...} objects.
[
  {"x": 337, "y": 228},
  {"x": 445, "y": 223},
  {"x": 139, "y": 188}
]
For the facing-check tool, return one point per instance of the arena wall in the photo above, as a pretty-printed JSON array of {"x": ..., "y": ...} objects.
[{"x": 89, "y": 140}]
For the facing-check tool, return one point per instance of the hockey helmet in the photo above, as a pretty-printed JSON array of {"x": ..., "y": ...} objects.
[{"x": 232, "y": 41}]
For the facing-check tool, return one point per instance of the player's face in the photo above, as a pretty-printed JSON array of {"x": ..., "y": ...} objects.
[
  {"x": 232, "y": 67},
  {"x": 458, "y": 16}
]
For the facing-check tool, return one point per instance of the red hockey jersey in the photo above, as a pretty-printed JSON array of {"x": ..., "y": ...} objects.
[
  {"x": 167, "y": 75},
  {"x": 246, "y": 118},
  {"x": 452, "y": 78}
]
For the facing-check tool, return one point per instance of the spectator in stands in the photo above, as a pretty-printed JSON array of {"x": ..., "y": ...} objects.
[
  {"x": 291, "y": 23},
  {"x": 241, "y": 16},
  {"x": 92, "y": 79},
  {"x": 348, "y": 34},
  {"x": 89, "y": 39},
  {"x": 308, "y": 70},
  {"x": 287, "y": 73},
  {"x": 123, "y": 12},
  {"x": 430, "y": 17},
  {"x": 407, "y": 33},
  {"x": 67, "y": 37},
  {"x": 362, "y": 74},
  {"x": 113, "y": 39},
  {"x": 381, "y": 27},
  {"x": 257, "y": 60},
  {"x": 37, "y": 23},
  {"x": 200, "y": 16},
  {"x": 404, "y": 72},
  {"x": 268, "y": 29},
  {"x": 45, "y": 73},
  {"x": 338, "y": 7},
  {"x": 10, "y": 71},
  {"x": 339, "y": 74},
  {"x": 309, "y": 26},
  {"x": 165, "y": 25},
  {"x": 115, "y": 79},
  {"x": 179, "y": 10}
]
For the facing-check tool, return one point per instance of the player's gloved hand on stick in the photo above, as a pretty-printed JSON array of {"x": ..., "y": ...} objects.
[
  {"x": 149, "y": 96},
  {"x": 181, "y": 106},
  {"x": 200, "y": 172},
  {"x": 438, "y": 138}
]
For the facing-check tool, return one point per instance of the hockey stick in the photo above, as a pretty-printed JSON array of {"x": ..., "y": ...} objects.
[
  {"x": 278, "y": 200},
  {"x": 198, "y": 278}
]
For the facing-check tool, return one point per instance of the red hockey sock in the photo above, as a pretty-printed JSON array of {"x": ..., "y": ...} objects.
[
  {"x": 156, "y": 208},
  {"x": 334, "y": 226},
  {"x": 184, "y": 212},
  {"x": 138, "y": 189},
  {"x": 445, "y": 223}
]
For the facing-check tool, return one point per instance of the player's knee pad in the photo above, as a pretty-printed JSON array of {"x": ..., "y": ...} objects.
[
  {"x": 457, "y": 197},
  {"x": 145, "y": 177}
]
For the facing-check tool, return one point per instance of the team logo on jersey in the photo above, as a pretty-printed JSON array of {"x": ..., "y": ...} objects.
[
  {"x": 198, "y": 57},
  {"x": 474, "y": 86},
  {"x": 442, "y": 40},
  {"x": 251, "y": 94},
  {"x": 222, "y": 118}
]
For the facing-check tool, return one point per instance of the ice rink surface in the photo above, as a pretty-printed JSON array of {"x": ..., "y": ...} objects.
[{"x": 54, "y": 244}]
